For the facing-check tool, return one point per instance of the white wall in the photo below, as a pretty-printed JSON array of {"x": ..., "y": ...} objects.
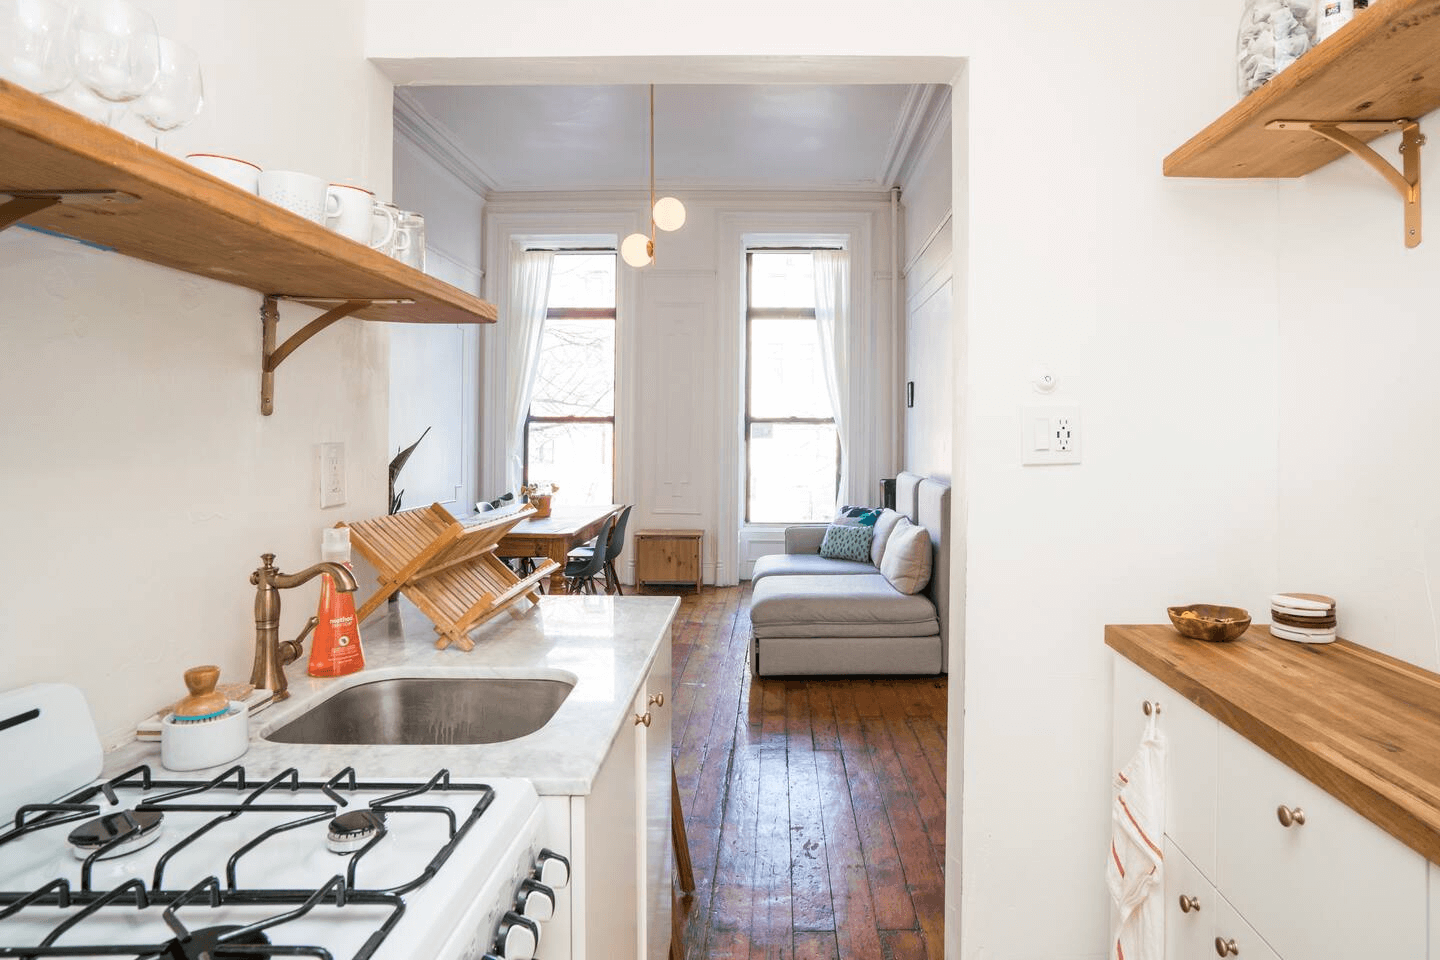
[
  {"x": 1359, "y": 515},
  {"x": 141, "y": 482},
  {"x": 680, "y": 346},
  {"x": 928, "y": 259},
  {"x": 1154, "y": 302},
  {"x": 435, "y": 368}
]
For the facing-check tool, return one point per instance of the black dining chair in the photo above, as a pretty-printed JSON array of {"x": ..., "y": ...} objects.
[
  {"x": 581, "y": 571},
  {"x": 612, "y": 550}
]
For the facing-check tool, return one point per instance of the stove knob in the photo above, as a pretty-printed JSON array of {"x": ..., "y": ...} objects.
[
  {"x": 552, "y": 869},
  {"x": 518, "y": 937},
  {"x": 536, "y": 900}
]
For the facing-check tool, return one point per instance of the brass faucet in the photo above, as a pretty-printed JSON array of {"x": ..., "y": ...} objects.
[{"x": 272, "y": 653}]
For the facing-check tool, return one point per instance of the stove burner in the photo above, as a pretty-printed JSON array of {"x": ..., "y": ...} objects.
[
  {"x": 132, "y": 828},
  {"x": 205, "y": 944},
  {"x": 351, "y": 831}
]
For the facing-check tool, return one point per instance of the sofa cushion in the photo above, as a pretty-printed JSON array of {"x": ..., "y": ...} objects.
[
  {"x": 884, "y": 526},
  {"x": 845, "y": 541},
  {"x": 906, "y": 563},
  {"x": 861, "y": 604},
  {"x": 811, "y": 564}
]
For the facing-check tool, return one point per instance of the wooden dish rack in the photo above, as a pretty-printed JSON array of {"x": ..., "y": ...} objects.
[{"x": 446, "y": 568}]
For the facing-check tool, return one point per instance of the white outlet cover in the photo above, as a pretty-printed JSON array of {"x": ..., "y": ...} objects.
[
  {"x": 332, "y": 474},
  {"x": 1049, "y": 434}
]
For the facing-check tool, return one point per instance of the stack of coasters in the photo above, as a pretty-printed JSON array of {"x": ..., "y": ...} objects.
[{"x": 1302, "y": 617}]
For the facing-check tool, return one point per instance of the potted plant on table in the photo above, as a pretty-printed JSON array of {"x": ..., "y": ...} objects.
[{"x": 539, "y": 494}]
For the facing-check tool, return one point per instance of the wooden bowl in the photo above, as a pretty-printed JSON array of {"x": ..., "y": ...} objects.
[{"x": 1206, "y": 621}]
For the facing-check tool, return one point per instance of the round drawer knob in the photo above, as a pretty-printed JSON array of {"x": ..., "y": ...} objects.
[
  {"x": 1189, "y": 904},
  {"x": 1226, "y": 948},
  {"x": 642, "y": 718},
  {"x": 1149, "y": 707},
  {"x": 657, "y": 699},
  {"x": 1289, "y": 817}
]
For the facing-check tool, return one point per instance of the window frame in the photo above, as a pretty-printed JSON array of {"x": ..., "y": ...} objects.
[
  {"x": 774, "y": 313},
  {"x": 611, "y": 313}
]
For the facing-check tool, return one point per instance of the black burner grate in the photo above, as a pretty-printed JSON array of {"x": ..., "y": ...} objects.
[{"x": 229, "y": 796}]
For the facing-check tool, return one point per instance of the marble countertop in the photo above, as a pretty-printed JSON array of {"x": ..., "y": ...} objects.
[{"x": 605, "y": 644}]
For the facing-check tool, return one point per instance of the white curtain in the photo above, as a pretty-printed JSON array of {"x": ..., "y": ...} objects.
[
  {"x": 832, "y": 313},
  {"x": 529, "y": 292}
]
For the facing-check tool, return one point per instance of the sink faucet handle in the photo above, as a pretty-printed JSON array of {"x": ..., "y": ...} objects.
[{"x": 291, "y": 650}]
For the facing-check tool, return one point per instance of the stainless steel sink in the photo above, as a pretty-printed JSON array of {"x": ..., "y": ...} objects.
[{"x": 429, "y": 710}]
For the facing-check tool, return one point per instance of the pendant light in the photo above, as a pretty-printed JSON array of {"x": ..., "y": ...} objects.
[{"x": 667, "y": 213}]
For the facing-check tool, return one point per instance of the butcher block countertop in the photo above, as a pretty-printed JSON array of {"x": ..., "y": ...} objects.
[{"x": 1360, "y": 724}]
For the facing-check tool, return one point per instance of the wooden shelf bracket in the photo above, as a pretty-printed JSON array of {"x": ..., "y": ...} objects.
[
  {"x": 23, "y": 203},
  {"x": 1407, "y": 184},
  {"x": 272, "y": 356}
]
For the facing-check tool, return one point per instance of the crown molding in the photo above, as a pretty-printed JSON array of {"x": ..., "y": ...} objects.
[
  {"x": 935, "y": 121},
  {"x": 432, "y": 138},
  {"x": 721, "y": 197},
  {"x": 909, "y": 124}
]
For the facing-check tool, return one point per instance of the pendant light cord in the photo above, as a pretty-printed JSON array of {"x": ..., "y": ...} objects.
[{"x": 652, "y": 170}]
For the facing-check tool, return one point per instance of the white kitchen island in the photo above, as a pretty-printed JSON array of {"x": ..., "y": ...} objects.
[{"x": 603, "y": 775}]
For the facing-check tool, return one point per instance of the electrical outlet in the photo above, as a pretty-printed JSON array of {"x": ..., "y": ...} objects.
[
  {"x": 332, "y": 474},
  {"x": 1050, "y": 434}
]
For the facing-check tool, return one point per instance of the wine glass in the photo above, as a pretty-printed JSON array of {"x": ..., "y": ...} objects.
[
  {"x": 33, "y": 44},
  {"x": 116, "y": 51},
  {"x": 176, "y": 96}
]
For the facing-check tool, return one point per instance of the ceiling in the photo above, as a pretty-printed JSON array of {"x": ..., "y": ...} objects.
[{"x": 503, "y": 139}]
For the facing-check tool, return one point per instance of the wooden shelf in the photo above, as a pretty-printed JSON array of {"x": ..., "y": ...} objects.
[
  {"x": 188, "y": 220},
  {"x": 1383, "y": 65},
  {"x": 1353, "y": 721}
]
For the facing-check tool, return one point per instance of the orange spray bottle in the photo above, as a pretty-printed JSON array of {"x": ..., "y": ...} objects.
[{"x": 335, "y": 650}]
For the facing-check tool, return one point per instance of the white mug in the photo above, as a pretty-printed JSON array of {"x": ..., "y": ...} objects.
[
  {"x": 348, "y": 211},
  {"x": 299, "y": 193},
  {"x": 385, "y": 217},
  {"x": 233, "y": 170}
]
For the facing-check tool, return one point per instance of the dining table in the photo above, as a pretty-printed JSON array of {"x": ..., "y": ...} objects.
[{"x": 553, "y": 537}]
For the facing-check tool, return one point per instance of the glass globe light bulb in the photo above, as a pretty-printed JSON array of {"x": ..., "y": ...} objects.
[
  {"x": 669, "y": 213},
  {"x": 636, "y": 250}
]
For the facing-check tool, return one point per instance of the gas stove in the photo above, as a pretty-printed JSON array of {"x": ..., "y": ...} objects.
[{"x": 237, "y": 866}]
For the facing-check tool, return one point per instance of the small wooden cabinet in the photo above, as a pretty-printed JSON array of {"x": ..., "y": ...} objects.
[{"x": 668, "y": 556}]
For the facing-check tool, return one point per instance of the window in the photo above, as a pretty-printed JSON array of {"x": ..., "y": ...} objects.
[
  {"x": 570, "y": 433},
  {"x": 792, "y": 452}
]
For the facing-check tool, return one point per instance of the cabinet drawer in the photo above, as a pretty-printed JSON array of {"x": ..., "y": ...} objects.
[
  {"x": 1237, "y": 938},
  {"x": 1194, "y": 924},
  {"x": 1189, "y": 929},
  {"x": 1190, "y": 760},
  {"x": 1334, "y": 887}
]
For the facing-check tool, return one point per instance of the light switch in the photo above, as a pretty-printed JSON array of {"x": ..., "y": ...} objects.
[
  {"x": 1050, "y": 434},
  {"x": 1040, "y": 426}
]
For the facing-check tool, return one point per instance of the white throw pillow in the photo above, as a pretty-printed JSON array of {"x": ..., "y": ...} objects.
[
  {"x": 884, "y": 526},
  {"x": 906, "y": 562}
]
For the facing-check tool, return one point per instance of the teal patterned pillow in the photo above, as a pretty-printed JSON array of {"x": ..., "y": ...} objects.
[{"x": 847, "y": 542}]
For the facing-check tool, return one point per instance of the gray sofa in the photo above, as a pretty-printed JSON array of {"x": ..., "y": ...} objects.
[{"x": 811, "y": 615}]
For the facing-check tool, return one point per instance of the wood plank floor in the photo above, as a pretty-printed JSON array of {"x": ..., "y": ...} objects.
[{"x": 815, "y": 808}]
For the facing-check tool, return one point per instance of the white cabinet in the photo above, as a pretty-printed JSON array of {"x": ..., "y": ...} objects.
[
  {"x": 1190, "y": 767},
  {"x": 620, "y": 836},
  {"x": 1330, "y": 885},
  {"x": 1434, "y": 912},
  {"x": 1333, "y": 887},
  {"x": 1199, "y": 923}
]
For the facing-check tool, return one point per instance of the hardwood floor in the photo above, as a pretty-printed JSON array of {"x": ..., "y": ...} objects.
[{"x": 815, "y": 808}]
